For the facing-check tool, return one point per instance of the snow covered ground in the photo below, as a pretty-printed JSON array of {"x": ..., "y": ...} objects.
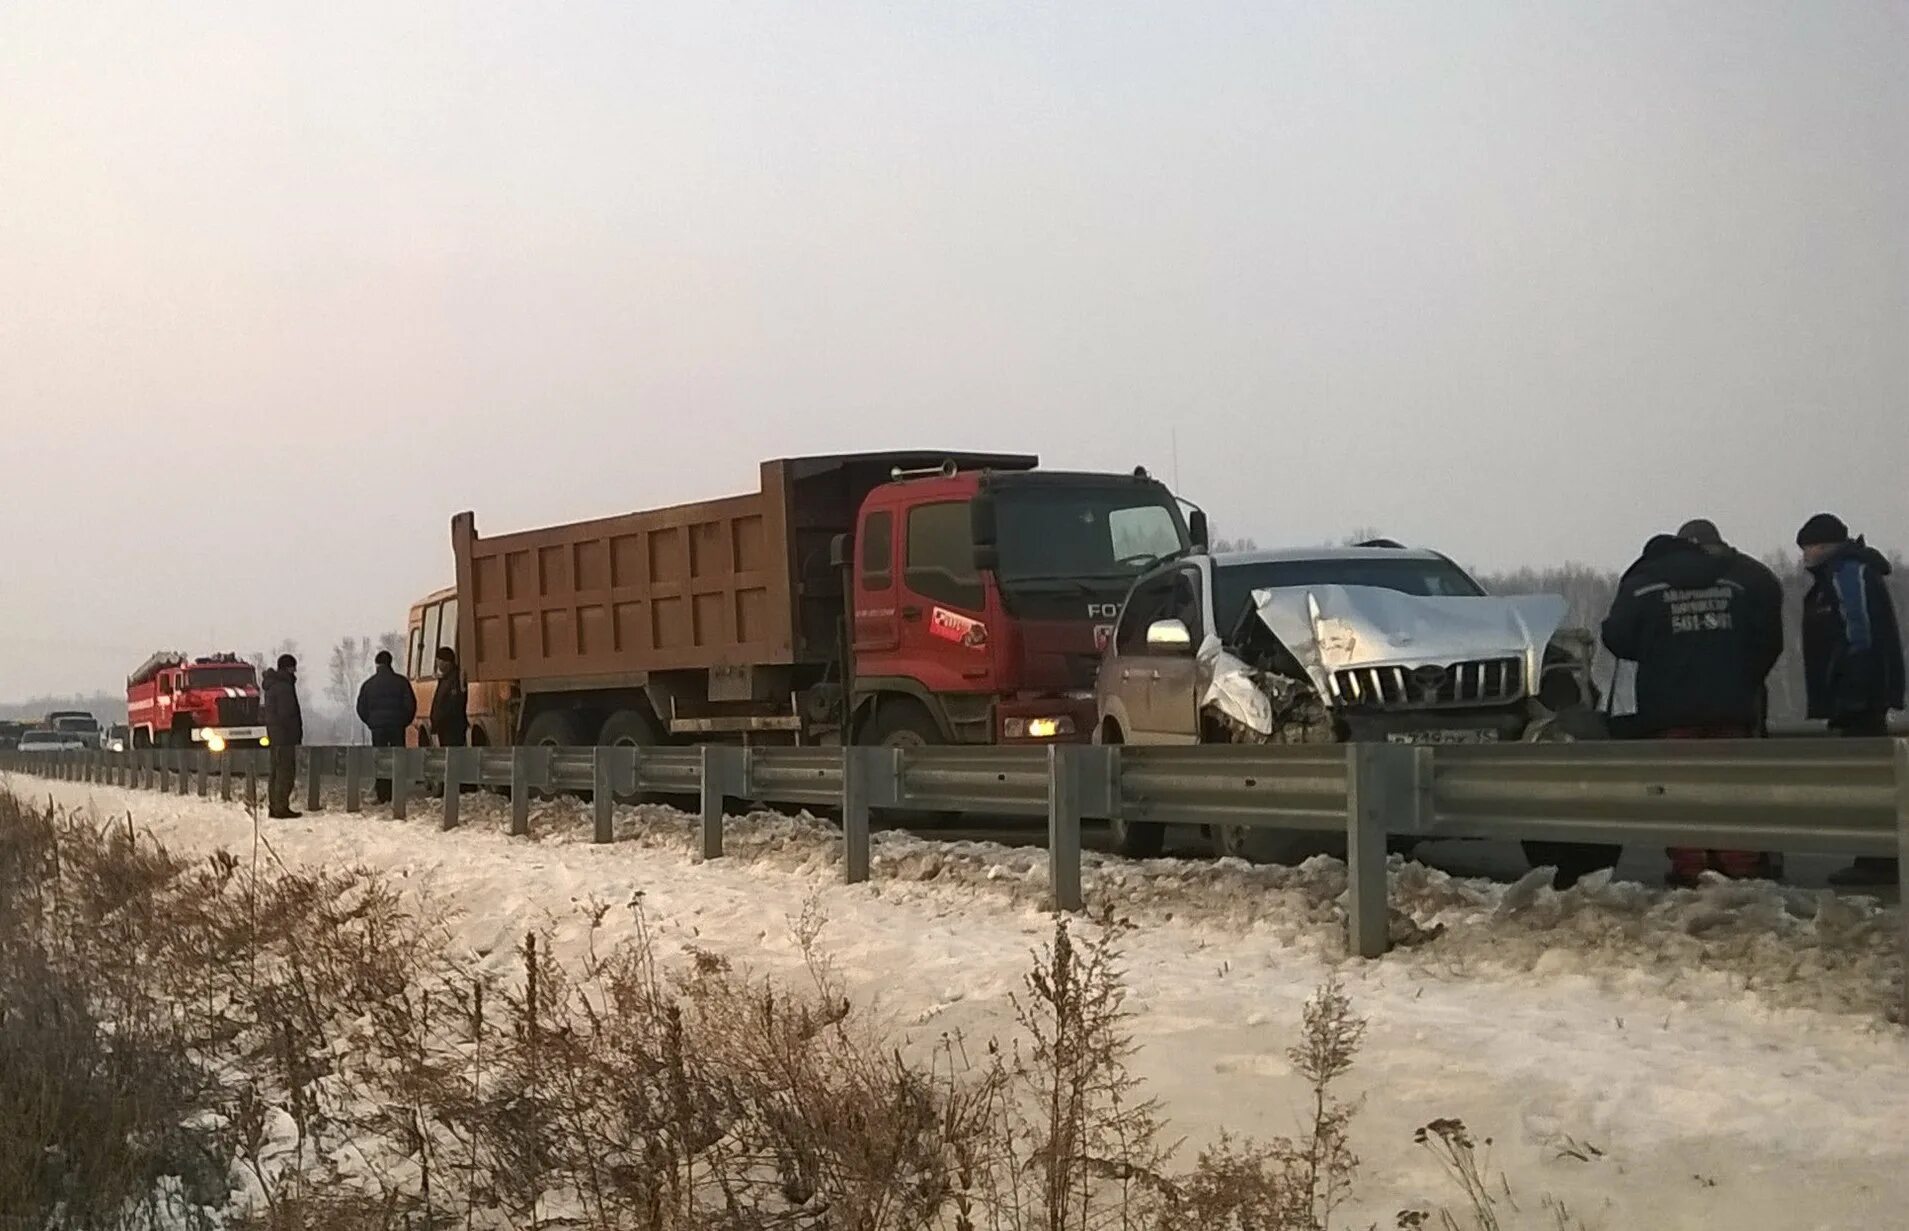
[{"x": 1723, "y": 1049}]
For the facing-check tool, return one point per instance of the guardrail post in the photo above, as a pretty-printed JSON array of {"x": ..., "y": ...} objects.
[
  {"x": 1382, "y": 792},
  {"x": 188, "y": 761},
  {"x": 403, "y": 772},
  {"x": 602, "y": 794},
  {"x": 460, "y": 767},
  {"x": 204, "y": 774},
  {"x": 315, "y": 759},
  {"x": 355, "y": 758},
  {"x": 529, "y": 769},
  {"x": 225, "y": 779},
  {"x": 1902, "y": 863},
  {"x": 252, "y": 779},
  {"x": 1063, "y": 827},
  {"x": 711, "y": 781},
  {"x": 858, "y": 772}
]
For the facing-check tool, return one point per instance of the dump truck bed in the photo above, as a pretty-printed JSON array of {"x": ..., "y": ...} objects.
[{"x": 739, "y": 581}]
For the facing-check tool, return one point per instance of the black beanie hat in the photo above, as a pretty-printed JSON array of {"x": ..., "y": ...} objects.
[
  {"x": 1822, "y": 530},
  {"x": 383, "y": 659}
]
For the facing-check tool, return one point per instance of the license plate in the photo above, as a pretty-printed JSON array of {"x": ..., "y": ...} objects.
[{"x": 1447, "y": 735}]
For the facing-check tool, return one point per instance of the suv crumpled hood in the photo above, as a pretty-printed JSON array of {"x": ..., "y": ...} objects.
[{"x": 1330, "y": 628}]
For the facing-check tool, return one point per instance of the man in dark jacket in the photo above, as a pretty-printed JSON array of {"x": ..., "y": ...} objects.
[
  {"x": 1766, "y": 598},
  {"x": 387, "y": 705},
  {"x": 1694, "y": 622},
  {"x": 285, "y": 727},
  {"x": 1852, "y": 648},
  {"x": 450, "y": 724}
]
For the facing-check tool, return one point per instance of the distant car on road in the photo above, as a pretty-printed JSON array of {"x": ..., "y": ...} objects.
[
  {"x": 79, "y": 722},
  {"x": 44, "y": 740},
  {"x": 118, "y": 738}
]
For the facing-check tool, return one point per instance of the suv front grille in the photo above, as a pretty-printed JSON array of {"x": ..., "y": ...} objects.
[
  {"x": 1488, "y": 681},
  {"x": 238, "y": 711}
]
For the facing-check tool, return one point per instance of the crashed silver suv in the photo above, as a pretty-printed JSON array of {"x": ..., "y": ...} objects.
[{"x": 1331, "y": 645}]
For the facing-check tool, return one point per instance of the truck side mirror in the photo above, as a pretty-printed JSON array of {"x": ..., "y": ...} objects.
[
  {"x": 841, "y": 551},
  {"x": 1196, "y": 529}
]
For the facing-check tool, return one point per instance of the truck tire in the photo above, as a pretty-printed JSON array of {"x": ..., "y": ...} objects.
[
  {"x": 900, "y": 722},
  {"x": 630, "y": 728},
  {"x": 553, "y": 729},
  {"x": 1282, "y": 846},
  {"x": 1132, "y": 839},
  {"x": 1137, "y": 839}
]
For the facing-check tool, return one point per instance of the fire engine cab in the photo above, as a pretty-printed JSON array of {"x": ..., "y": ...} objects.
[{"x": 210, "y": 702}]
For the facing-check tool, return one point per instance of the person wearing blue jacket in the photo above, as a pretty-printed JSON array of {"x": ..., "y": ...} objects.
[{"x": 1852, "y": 648}]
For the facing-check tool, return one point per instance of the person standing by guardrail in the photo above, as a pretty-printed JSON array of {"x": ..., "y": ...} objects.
[
  {"x": 1852, "y": 649},
  {"x": 1701, "y": 629},
  {"x": 285, "y": 728},
  {"x": 450, "y": 723},
  {"x": 386, "y": 705}
]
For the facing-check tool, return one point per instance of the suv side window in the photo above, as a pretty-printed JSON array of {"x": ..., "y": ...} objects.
[
  {"x": 1187, "y": 607},
  {"x": 941, "y": 555},
  {"x": 1151, "y": 600}
]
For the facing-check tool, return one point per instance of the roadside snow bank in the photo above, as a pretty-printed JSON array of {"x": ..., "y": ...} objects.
[
  {"x": 1791, "y": 948},
  {"x": 1721, "y": 1048}
]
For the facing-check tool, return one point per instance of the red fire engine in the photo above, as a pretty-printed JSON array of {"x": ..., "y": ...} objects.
[{"x": 210, "y": 702}]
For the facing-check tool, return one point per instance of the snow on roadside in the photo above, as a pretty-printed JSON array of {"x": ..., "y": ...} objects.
[
  {"x": 1729, "y": 1035},
  {"x": 1793, "y": 948}
]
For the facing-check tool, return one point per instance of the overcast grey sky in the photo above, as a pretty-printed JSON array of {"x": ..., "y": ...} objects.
[{"x": 283, "y": 286}]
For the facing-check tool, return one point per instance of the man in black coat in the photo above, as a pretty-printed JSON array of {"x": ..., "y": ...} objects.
[
  {"x": 285, "y": 728},
  {"x": 387, "y": 705},
  {"x": 1766, "y": 597},
  {"x": 1699, "y": 627},
  {"x": 450, "y": 723},
  {"x": 1852, "y": 649}
]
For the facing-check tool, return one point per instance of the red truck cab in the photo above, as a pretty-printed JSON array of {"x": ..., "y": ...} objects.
[
  {"x": 982, "y": 599},
  {"x": 210, "y": 702}
]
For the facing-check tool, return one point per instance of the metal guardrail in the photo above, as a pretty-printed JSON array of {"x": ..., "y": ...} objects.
[{"x": 1842, "y": 796}]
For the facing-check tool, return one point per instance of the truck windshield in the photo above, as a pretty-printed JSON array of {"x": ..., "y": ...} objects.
[
  {"x": 1233, "y": 584},
  {"x": 1084, "y": 532},
  {"x": 220, "y": 677},
  {"x": 78, "y": 723}
]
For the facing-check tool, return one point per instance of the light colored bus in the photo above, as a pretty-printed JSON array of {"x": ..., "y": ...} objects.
[{"x": 431, "y": 624}]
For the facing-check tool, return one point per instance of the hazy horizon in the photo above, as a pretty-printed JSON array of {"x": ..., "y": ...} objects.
[{"x": 287, "y": 287}]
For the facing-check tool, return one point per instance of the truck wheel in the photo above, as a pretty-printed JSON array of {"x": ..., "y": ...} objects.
[
  {"x": 1137, "y": 839},
  {"x": 1573, "y": 860},
  {"x": 629, "y": 729},
  {"x": 552, "y": 729},
  {"x": 1281, "y": 846},
  {"x": 903, "y": 723}
]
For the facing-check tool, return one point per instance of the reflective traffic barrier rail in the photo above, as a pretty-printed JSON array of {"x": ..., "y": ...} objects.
[{"x": 1835, "y": 796}]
